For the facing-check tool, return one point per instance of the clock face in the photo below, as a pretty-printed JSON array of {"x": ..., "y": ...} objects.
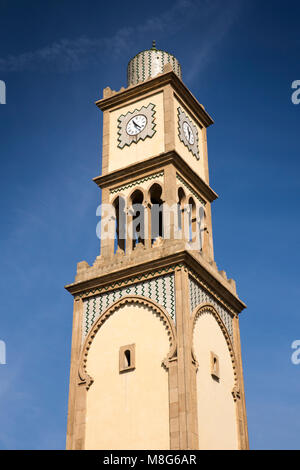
[
  {"x": 136, "y": 124},
  {"x": 188, "y": 133}
]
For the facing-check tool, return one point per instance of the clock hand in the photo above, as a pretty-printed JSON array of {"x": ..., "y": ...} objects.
[{"x": 136, "y": 125}]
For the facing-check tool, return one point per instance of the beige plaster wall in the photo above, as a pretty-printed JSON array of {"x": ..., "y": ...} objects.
[
  {"x": 216, "y": 408},
  {"x": 151, "y": 146},
  {"x": 129, "y": 410},
  {"x": 184, "y": 152}
]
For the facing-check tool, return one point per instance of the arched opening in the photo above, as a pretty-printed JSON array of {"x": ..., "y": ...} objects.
[
  {"x": 180, "y": 208},
  {"x": 202, "y": 228},
  {"x": 192, "y": 221},
  {"x": 138, "y": 218},
  {"x": 157, "y": 229},
  {"x": 120, "y": 217}
]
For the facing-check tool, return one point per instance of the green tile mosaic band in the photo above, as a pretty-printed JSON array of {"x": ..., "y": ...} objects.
[
  {"x": 189, "y": 188},
  {"x": 198, "y": 295},
  {"x": 136, "y": 182},
  {"x": 160, "y": 289}
]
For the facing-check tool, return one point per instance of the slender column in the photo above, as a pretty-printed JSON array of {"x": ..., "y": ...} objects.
[
  {"x": 107, "y": 226},
  {"x": 170, "y": 197},
  {"x": 105, "y": 143},
  {"x": 208, "y": 234},
  {"x": 205, "y": 238},
  {"x": 205, "y": 156},
  {"x": 129, "y": 238},
  {"x": 182, "y": 210},
  {"x": 147, "y": 224},
  {"x": 80, "y": 417},
  {"x": 240, "y": 399},
  {"x": 75, "y": 354},
  {"x": 174, "y": 405},
  {"x": 169, "y": 118},
  {"x": 186, "y": 372}
]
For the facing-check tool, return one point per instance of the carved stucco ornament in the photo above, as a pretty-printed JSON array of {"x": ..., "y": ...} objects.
[
  {"x": 194, "y": 146},
  {"x": 83, "y": 377},
  {"x": 149, "y": 130}
]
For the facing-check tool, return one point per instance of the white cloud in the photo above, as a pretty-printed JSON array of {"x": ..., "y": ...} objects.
[
  {"x": 209, "y": 20},
  {"x": 75, "y": 54}
]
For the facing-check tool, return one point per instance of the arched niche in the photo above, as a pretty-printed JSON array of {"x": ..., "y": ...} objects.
[
  {"x": 216, "y": 381},
  {"x": 128, "y": 406}
]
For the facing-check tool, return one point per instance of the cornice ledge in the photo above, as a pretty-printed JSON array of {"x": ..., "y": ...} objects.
[
  {"x": 160, "y": 80},
  {"x": 152, "y": 164},
  {"x": 214, "y": 280},
  {"x": 124, "y": 273},
  {"x": 211, "y": 278}
]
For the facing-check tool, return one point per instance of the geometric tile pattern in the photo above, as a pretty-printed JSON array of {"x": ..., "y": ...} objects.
[
  {"x": 193, "y": 145},
  {"x": 160, "y": 289},
  {"x": 198, "y": 295},
  {"x": 149, "y": 63},
  {"x": 136, "y": 182},
  {"x": 148, "y": 131},
  {"x": 190, "y": 189}
]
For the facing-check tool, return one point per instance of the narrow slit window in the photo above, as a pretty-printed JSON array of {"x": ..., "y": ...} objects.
[
  {"x": 215, "y": 366},
  {"x": 127, "y": 358}
]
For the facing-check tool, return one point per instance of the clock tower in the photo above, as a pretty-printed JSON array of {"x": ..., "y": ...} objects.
[{"x": 156, "y": 356}]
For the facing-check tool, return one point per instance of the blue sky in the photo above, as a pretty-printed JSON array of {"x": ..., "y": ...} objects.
[{"x": 239, "y": 58}]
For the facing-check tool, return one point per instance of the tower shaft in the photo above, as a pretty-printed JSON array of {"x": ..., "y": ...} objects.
[{"x": 156, "y": 356}]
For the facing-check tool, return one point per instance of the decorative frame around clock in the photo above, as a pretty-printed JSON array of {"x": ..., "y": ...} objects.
[
  {"x": 148, "y": 131},
  {"x": 182, "y": 117}
]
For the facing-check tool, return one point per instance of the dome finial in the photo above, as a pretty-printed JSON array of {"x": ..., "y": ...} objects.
[{"x": 153, "y": 44}]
